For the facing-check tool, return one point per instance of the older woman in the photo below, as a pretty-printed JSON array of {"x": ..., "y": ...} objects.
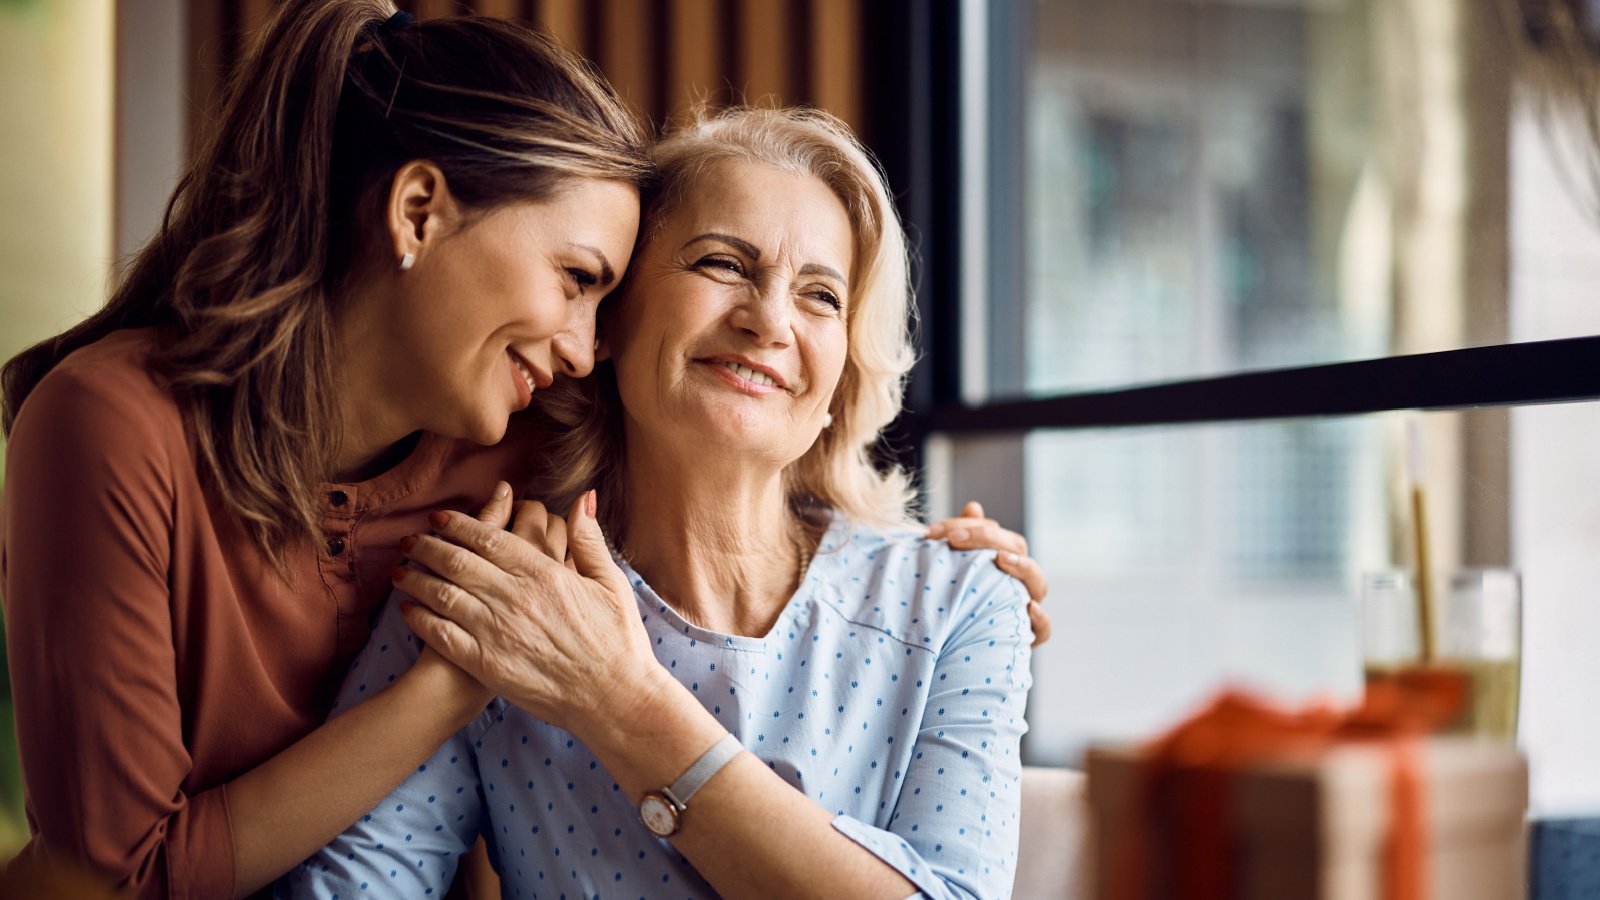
[{"x": 782, "y": 688}]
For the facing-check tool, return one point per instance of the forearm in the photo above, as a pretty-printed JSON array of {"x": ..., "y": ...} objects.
[
  {"x": 293, "y": 804},
  {"x": 747, "y": 831}
]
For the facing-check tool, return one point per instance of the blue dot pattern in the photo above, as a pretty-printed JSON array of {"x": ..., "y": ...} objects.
[{"x": 890, "y": 691}]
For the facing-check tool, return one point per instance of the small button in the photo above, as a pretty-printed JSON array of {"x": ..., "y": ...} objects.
[
  {"x": 335, "y": 547},
  {"x": 338, "y": 498}
]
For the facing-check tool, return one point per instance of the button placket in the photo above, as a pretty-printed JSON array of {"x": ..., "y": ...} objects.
[{"x": 337, "y": 559}]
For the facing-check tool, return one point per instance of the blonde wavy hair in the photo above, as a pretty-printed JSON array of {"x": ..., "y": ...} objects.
[{"x": 587, "y": 446}]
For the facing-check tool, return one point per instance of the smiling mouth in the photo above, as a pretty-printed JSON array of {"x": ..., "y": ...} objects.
[
  {"x": 526, "y": 373},
  {"x": 749, "y": 374}
]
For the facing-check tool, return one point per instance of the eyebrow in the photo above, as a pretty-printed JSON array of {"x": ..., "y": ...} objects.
[
  {"x": 817, "y": 269},
  {"x": 749, "y": 249},
  {"x": 739, "y": 244},
  {"x": 607, "y": 274}
]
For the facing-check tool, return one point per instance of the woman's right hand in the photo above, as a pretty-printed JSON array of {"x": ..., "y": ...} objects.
[{"x": 540, "y": 614}]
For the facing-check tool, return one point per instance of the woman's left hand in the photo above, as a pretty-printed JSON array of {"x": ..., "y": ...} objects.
[
  {"x": 973, "y": 531},
  {"x": 559, "y": 638}
]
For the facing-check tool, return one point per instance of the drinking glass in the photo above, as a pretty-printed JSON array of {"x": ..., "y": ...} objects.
[{"x": 1481, "y": 633}]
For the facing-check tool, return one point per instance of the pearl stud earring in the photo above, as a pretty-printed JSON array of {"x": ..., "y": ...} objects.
[{"x": 406, "y": 262}]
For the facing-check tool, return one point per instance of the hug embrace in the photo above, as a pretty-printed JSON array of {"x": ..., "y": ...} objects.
[{"x": 276, "y": 611}]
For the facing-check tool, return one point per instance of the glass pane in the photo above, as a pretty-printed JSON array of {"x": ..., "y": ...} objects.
[
  {"x": 1213, "y": 187},
  {"x": 1185, "y": 558}
]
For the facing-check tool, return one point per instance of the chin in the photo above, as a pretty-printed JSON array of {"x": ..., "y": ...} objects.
[{"x": 487, "y": 431}]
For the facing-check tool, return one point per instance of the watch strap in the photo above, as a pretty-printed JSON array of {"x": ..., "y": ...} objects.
[{"x": 709, "y": 764}]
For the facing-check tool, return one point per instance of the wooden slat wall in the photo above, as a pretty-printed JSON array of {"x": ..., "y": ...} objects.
[{"x": 662, "y": 55}]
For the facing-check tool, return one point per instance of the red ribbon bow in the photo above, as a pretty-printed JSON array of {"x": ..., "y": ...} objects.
[{"x": 1237, "y": 730}]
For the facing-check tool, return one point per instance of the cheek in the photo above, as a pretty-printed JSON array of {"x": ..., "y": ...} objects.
[
  {"x": 538, "y": 300},
  {"x": 829, "y": 358}
]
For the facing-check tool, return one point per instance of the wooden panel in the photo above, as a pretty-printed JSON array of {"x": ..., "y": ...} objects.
[
  {"x": 764, "y": 58},
  {"x": 626, "y": 52},
  {"x": 500, "y": 9},
  {"x": 694, "y": 56},
  {"x": 252, "y": 15},
  {"x": 835, "y": 47},
  {"x": 433, "y": 9},
  {"x": 564, "y": 20},
  {"x": 211, "y": 53}
]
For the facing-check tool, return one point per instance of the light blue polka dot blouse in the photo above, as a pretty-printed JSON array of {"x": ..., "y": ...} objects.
[{"x": 890, "y": 691}]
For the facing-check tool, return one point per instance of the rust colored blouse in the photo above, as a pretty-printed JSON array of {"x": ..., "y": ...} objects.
[{"x": 155, "y": 653}]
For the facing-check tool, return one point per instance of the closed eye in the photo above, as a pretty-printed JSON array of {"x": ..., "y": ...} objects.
[
  {"x": 828, "y": 297},
  {"x": 583, "y": 278},
  {"x": 720, "y": 264}
]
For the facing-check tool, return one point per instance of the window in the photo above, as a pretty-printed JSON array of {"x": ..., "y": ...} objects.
[{"x": 1188, "y": 268}]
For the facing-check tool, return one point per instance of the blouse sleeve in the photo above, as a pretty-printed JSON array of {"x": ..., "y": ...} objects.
[
  {"x": 410, "y": 843},
  {"x": 88, "y": 531},
  {"x": 953, "y": 832}
]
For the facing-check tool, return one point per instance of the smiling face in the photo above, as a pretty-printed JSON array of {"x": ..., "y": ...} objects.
[
  {"x": 732, "y": 332},
  {"x": 494, "y": 309}
]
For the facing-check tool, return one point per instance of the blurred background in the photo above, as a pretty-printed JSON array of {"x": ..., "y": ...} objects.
[{"x": 1103, "y": 195}]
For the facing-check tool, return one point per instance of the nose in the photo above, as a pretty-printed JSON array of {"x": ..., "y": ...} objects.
[
  {"x": 765, "y": 313},
  {"x": 573, "y": 347}
]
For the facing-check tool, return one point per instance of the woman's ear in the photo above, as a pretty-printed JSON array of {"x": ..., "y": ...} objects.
[{"x": 420, "y": 210}]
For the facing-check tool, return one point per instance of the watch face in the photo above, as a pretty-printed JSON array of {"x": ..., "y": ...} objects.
[{"x": 658, "y": 815}]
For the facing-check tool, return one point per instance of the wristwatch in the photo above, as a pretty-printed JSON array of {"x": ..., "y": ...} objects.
[{"x": 662, "y": 811}]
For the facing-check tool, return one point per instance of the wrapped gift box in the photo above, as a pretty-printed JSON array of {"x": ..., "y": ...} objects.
[{"x": 1312, "y": 825}]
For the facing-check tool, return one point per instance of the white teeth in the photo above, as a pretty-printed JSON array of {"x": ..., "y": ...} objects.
[
  {"x": 751, "y": 375},
  {"x": 526, "y": 375}
]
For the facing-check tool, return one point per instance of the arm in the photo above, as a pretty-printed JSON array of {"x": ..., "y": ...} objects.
[
  {"x": 294, "y": 803},
  {"x": 954, "y": 829},
  {"x": 411, "y": 841},
  {"x": 751, "y": 833},
  {"x": 953, "y": 833},
  {"x": 100, "y": 720}
]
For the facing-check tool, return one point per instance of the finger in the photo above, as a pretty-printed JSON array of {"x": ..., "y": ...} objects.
[
  {"x": 531, "y": 523},
  {"x": 588, "y": 545},
  {"x": 496, "y": 545},
  {"x": 497, "y": 512},
  {"x": 442, "y": 597},
  {"x": 1025, "y": 569},
  {"x": 449, "y": 562},
  {"x": 943, "y": 527},
  {"x": 973, "y": 510},
  {"x": 445, "y": 637},
  {"x": 987, "y": 535},
  {"x": 556, "y": 540},
  {"x": 1040, "y": 620}
]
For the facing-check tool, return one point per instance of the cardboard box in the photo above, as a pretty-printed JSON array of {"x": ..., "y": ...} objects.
[{"x": 1312, "y": 826}]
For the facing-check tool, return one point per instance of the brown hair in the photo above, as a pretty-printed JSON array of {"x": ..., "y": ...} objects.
[
  {"x": 333, "y": 97},
  {"x": 838, "y": 472}
]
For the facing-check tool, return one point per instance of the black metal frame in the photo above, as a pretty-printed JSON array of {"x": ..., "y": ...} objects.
[{"x": 913, "y": 111}]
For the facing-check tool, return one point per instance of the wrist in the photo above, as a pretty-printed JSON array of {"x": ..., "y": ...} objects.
[
  {"x": 649, "y": 737},
  {"x": 445, "y": 686}
]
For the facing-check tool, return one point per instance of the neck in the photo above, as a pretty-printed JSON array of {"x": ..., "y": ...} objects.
[
  {"x": 374, "y": 432},
  {"x": 715, "y": 540}
]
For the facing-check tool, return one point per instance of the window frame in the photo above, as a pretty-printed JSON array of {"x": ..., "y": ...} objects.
[{"x": 916, "y": 129}]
